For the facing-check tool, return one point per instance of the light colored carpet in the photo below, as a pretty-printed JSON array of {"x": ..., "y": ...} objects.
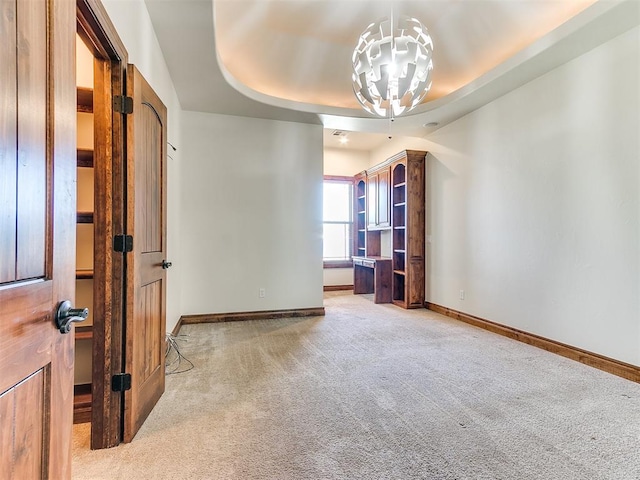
[{"x": 376, "y": 392}]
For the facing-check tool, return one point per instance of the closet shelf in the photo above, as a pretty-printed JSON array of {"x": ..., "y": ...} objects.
[
  {"x": 84, "y": 274},
  {"x": 84, "y": 217},
  {"x": 84, "y": 332},
  {"x": 85, "y": 99},
  {"x": 85, "y": 157}
]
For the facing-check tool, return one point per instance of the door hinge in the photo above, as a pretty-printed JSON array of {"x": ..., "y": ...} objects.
[
  {"x": 121, "y": 382},
  {"x": 123, "y": 243},
  {"x": 122, "y": 104}
]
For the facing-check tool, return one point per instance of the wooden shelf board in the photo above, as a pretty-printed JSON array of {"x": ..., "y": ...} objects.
[
  {"x": 84, "y": 217},
  {"x": 82, "y": 403},
  {"x": 84, "y": 332},
  {"x": 85, "y": 99},
  {"x": 84, "y": 274},
  {"x": 85, "y": 157},
  {"x": 399, "y": 272}
]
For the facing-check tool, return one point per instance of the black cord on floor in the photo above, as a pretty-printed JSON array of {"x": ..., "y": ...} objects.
[{"x": 172, "y": 347}]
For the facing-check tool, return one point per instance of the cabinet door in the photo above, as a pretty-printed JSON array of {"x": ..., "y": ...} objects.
[
  {"x": 384, "y": 218},
  {"x": 372, "y": 200}
]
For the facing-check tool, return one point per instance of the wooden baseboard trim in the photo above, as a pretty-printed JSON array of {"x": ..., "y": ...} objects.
[
  {"x": 82, "y": 403},
  {"x": 242, "y": 316},
  {"x": 606, "y": 364},
  {"x": 336, "y": 288},
  {"x": 177, "y": 328}
]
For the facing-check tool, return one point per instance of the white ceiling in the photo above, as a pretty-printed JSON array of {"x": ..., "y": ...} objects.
[{"x": 290, "y": 59}]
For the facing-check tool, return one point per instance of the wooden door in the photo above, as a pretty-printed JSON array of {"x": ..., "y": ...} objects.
[
  {"x": 37, "y": 236},
  {"x": 146, "y": 278}
]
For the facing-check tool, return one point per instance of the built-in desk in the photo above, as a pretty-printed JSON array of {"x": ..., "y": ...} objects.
[{"x": 373, "y": 275}]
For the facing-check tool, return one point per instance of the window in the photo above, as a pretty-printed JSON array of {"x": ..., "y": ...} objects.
[{"x": 337, "y": 237}]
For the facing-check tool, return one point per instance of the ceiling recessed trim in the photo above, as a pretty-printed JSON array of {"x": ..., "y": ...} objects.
[{"x": 595, "y": 25}]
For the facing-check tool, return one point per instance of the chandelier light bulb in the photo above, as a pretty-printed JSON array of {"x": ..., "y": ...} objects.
[{"x": 392, "y": 66}]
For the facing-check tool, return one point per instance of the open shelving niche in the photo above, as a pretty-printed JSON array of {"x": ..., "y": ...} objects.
[
  {"x": 361, "y": 217},
  {"x": 399, "y": 203}
]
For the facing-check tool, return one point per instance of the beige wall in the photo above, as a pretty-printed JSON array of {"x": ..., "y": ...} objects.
[
  {"x": 251, "y": 213},
  {"x": 131, "y": 19},
  {"x": 533, "y": 205},
  {"x": 345, "y": 162}
]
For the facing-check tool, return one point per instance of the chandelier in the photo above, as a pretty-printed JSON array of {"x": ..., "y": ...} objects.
[{"x": 392, "y": 66}]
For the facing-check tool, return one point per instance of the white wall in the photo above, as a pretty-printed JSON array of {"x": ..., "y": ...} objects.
[
  {"x": 252, "y": 213},
  {"x": 132, "y": 22},
  {"x": 534, "y": 207}
]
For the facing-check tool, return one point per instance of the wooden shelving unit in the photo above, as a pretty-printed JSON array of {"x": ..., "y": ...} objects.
[
  {"x": 408, "y": 227},
  {"x": 390, "y": 197},
  {"x": 399, "y": 221}
]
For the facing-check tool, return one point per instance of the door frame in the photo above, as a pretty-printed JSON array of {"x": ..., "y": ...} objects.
[{"x": 99, "y": 34}]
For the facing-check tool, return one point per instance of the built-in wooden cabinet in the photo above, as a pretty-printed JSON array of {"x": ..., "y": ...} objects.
[
  {"x": 390, "y": 197},
  {"x": 408, "y": 228},
  {"x": 378, "y": 199}
]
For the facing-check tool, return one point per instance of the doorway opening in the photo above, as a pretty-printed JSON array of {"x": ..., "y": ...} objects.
[{"x": 100, "y": 76}]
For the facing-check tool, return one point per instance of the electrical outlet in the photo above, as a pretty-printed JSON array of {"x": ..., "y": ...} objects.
[
  {"x": 262, "y": 293},
  {"x": 461, "y": 294}
]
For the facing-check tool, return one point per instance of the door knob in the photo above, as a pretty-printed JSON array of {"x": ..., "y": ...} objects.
[
  {"x": 166, "y": 264},
  {"x": 65, "y": 316}
]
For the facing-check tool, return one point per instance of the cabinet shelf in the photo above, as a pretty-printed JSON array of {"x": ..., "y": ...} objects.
[
  {"x": 398, "y": 250},
  {"x": 399, "y": 227},
  {"x": 84, "y": 217},
  {"x": 398, "y": 185},
  {"x": 85, "y": 157},
  {"x": 399, "y": 272},
  {"x": 400, "y": 204},
  {"x": 84, "y": 274}
]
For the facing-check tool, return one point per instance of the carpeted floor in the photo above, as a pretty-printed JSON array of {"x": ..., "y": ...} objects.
[{"x": 376, "y": 392}]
